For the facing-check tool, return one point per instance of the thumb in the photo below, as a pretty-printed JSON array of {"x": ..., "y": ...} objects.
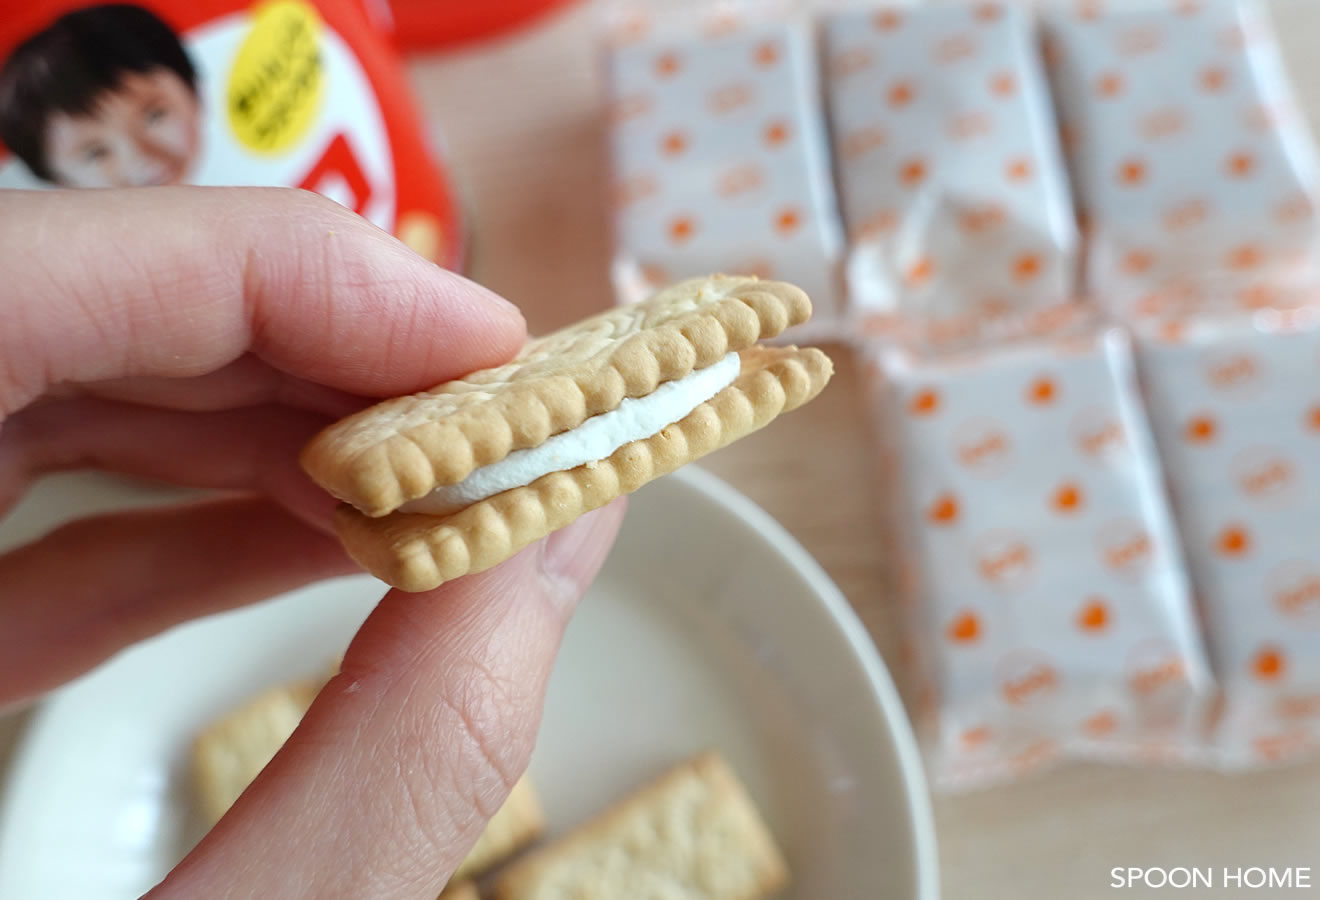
[{"x": 413, "y": 746}]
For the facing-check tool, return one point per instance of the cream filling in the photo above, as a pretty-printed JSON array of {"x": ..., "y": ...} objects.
[{"x": 634, "y": 419}]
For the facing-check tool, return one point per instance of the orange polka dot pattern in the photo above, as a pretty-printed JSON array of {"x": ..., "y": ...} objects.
[
  {"x": 1044, "y": 578},
  {"x": 721, "y": 129},
  {"x": 1235, "y": 414},
  {"x": 969, "y": 179},
  {"x": 1187, "y": 145}
]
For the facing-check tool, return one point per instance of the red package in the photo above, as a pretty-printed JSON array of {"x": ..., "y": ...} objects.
[
  {"x": 428, "y": 25},
  {"x": 222, "y": 92}
]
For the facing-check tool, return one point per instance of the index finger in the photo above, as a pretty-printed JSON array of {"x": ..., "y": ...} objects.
[{"x": 181, "y": 281}]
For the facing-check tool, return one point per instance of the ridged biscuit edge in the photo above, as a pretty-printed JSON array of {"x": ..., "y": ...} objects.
[{"x": 418, "y": 552}]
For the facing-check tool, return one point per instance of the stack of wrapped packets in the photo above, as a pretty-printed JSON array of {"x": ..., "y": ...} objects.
[{"x": 1077, "y": 245}]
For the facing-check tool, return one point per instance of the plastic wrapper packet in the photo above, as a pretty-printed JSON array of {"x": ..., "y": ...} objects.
[
  {"x": 952, "y": 184},
  {"x": 718, "y": 153},
  {"x": 1195, "y": 172},
  {"x": 1041, "y": 574},
  {"x": 1237, "y": 416}
]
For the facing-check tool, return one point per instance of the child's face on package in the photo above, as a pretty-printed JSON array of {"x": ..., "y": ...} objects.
[{"x": 143, "y": 131}]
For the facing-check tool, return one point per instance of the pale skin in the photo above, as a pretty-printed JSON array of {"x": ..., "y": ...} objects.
[
  {"x": 200, "y": 336},
  {"x": 142, "y": 132}
]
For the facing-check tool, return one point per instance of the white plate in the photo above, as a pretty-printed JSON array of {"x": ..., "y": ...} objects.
[{"x": 709, "y": 626}]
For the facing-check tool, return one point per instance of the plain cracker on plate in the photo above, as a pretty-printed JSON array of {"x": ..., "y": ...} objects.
[
  {"x": 691, "y": 834},
  {"x": 233, "y": 749},
  {"x": 460, "y": 890},
  {"x": 404, "y": 452}
]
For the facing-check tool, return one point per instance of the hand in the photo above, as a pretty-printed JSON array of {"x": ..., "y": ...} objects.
[{"x": 201, "y": 336}]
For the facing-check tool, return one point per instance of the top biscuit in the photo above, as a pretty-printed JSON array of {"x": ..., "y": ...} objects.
[{"x": 402, "y": 449}]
